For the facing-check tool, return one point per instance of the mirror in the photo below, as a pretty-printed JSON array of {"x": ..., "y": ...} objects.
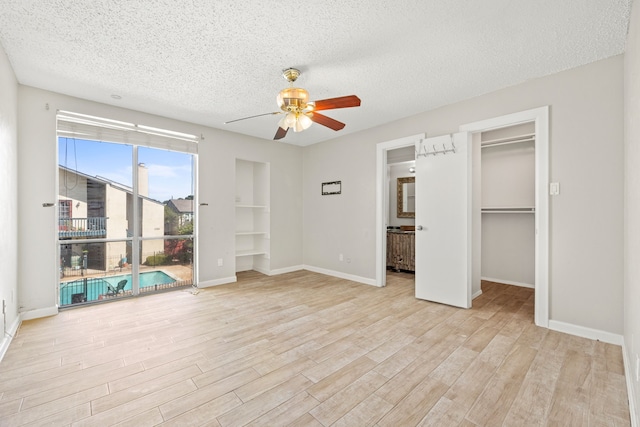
[{"x": 407, "y": 197}]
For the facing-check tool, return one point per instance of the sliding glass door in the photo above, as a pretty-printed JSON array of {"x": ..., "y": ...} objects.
[{"x": 125, "y": 220}]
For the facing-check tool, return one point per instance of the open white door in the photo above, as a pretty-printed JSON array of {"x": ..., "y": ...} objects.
[{"x": 443, "y": 220}]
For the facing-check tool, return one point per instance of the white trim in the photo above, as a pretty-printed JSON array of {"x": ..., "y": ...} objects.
[
  {"x": 217, "y": 282},
  {"x": 509, "y": 282},
  {"x": 6, "y": 340},
  {"x": 584, "y": 332},
  {"x": 285, "y": 270},
  {"x": 541, "y": 118},
  {"x": 37, "y": 314},
  {"x": 628, "y": 373},
  {"x": 381, "y": 201},
  {"x": 341, "y": 275},
  {"x": 476, "y": 295}
]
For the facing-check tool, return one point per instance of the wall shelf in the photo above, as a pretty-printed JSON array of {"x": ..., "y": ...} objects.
[
  {"x": 528, "y": 209},
  {"x": 250, "y": 253},
  {"x": 252, "y": 206}
]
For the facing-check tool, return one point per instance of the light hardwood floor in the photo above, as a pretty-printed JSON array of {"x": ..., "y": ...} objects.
[{"x": 305, "y": 349}]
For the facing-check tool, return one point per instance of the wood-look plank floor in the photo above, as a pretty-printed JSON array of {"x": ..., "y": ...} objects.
[{"x": 303, "y": 349}]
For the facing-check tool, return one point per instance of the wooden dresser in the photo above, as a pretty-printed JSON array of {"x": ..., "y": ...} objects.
[{"x": 401, "y": 249}]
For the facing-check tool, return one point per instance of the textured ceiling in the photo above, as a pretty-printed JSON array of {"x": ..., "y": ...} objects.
[{"x": 212, "y": 61}]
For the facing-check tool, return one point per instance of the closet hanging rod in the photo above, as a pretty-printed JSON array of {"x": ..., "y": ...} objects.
[
  {"x": 515, "y": 138},
  {"x": 495, "y": 144}
]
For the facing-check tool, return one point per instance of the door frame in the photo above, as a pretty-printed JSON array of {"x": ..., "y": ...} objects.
[
  {"x": 382, "y": 200},
  {"x": 540, "y": 116}
]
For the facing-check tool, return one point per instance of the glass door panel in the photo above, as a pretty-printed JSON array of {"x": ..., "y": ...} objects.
[{"x": 165, "y": 218}]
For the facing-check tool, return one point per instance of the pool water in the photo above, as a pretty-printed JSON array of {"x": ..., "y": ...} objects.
[
  {"x": 146, "y": 279},
  {"x": 96, "y": 287}
]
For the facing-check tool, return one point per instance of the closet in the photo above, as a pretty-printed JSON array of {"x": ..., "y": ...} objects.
[
  {"x": 252, "y": 228},
  {"x": 508, "y": 205}
]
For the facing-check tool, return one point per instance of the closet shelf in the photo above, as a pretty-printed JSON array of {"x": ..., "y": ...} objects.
[
  {"x": 509, "y": 140},
  {"x": 528, "y": 209}
]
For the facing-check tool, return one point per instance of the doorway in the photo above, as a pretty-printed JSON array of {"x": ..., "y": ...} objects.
[{"x": 540, "y": 118}]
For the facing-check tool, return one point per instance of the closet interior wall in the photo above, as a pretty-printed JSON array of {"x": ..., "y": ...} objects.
[{"x": 508, "y": 205}]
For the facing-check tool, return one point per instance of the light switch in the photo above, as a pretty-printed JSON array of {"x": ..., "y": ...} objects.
[{"x": 554, "y": 188}]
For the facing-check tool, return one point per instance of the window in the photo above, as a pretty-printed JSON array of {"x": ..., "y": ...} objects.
[
  {"x": 117, "y": 244},
  {"x": 64, "y": 208}
]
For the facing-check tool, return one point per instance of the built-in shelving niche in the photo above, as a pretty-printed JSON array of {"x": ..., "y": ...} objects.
[{"x": 252, "y": 216}]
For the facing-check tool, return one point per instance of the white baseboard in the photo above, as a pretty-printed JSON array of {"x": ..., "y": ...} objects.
[
  {"x": 217, "y": 282},
  {"x": 6, "y": 340},
  {"x": 285, "y": 270},
  {"x": 477, "y": 294},
  {"x": 631, "y": 392},
  {"x": 584, "y": 332},
  {"x": 341, "y": 275},
  {"x": 38, "y": 313},
  {"x": 509, "y": 282}
]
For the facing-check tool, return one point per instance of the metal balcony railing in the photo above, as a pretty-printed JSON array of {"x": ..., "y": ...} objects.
[
  {"x": 82, "y": 227},
  {"x": 89, "y": 289}
]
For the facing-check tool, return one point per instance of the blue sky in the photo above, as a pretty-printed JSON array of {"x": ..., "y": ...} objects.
[{"x": 170, "y": 173}]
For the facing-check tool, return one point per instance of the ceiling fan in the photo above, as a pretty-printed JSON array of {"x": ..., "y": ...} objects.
[{"x": 299, "y": 112}]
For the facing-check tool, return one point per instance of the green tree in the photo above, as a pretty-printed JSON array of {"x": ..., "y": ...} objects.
[{"x": 170, "y": 218}]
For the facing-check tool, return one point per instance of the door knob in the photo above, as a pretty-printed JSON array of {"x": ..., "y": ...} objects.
[{"x": 419, "y": 228}]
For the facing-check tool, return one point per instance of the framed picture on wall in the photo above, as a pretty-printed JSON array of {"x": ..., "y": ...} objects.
[{"x": 333, "y": 187}]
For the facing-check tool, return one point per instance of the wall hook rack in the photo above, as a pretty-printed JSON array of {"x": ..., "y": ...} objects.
[{"x": 423, "y": 151}]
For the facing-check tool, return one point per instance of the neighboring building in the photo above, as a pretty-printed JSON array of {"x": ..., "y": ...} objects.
[
  {"x": 183, "y": 208},
  {"x": 93, "y": 207}
]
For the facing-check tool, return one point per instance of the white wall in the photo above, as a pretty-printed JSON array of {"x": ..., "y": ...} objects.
[
  {"x": 632, "y": 208},
  {"x": 586, "y": 220},
  {"x": 217, "y": 153},
  {"x": 9, "y": 197}
]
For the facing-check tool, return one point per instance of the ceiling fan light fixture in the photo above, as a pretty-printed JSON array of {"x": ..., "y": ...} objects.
[
  {"x": 302, "y": 123},
  {"x": 296, "y": 121},
  {"x": 298, "y": 113},
  {"x": 292, "y": 99}
]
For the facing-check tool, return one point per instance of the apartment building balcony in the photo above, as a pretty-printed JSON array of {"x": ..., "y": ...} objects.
[{"x": 94, "y": 227}]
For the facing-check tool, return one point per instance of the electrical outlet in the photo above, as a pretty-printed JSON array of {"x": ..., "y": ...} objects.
[
  {"x": 220, "y": 262},
  {"x": 341, "y": 257}
]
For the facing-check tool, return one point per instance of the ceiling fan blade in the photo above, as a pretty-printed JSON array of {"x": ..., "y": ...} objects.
[
  {"x": 326, "y": 121},
  {"x": 251, "y": 117},
  {"x": 340, "y": 102},
  {"x": 281, "y": 133}
]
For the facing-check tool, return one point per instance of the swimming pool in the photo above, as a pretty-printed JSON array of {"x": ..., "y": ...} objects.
[
  {"x": 91, "y": 289},
  {"x": 149, "y": 278}
]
